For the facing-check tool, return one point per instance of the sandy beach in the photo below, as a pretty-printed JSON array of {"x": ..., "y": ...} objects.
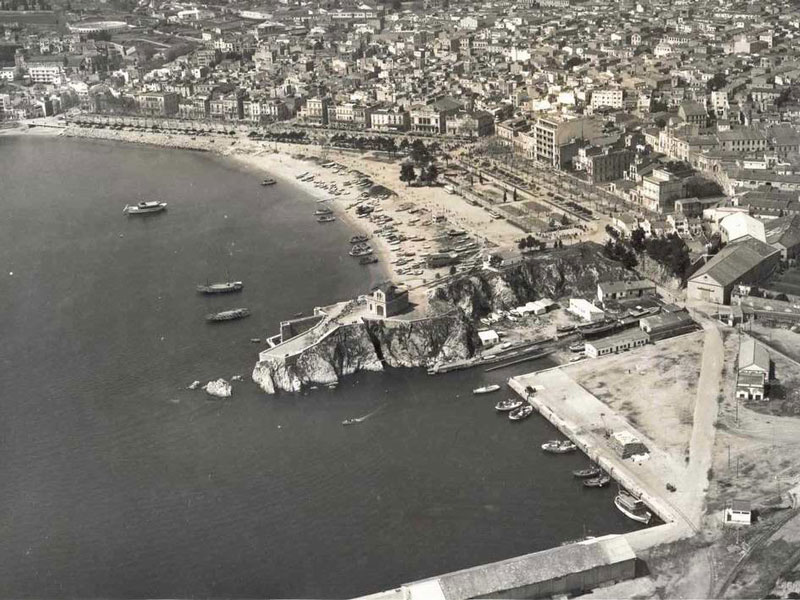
[{"x": 406, "y": 224}]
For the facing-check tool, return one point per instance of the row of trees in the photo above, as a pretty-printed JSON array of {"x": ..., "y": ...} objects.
[{"x": 360, "y": 142}]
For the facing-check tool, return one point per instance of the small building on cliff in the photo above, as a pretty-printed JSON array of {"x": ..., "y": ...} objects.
[{"x": 388, "y": 300}]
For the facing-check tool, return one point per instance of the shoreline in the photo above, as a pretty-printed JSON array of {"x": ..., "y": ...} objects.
[{"x": 272, "y": 159}]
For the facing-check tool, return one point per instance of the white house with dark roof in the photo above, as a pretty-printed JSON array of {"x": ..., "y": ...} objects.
[{"x": 753, "y": 370}]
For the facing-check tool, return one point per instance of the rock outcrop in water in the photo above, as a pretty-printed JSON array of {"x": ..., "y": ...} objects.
[
  {"x": 219, "y": 388},
  {"x": 369, "y": 345},
  {"x": 573, "y": 271}
]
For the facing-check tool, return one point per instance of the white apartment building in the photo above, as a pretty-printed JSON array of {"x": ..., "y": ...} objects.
[
  {"x": 44, "y": 72},
  {"x": 606, "y": 98}
]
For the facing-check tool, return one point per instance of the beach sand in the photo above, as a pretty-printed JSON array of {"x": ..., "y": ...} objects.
[{"x": 285, "y": 162}]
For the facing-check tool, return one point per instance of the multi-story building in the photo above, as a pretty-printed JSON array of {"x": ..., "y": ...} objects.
[
  {"x": 45, "y": 72},
  {"x": 609, "y": 164},
  {"x": 350, "y": 115},
  {"x": 431, "y": 118},
  {"x": 315, "y": 111},
  {"x": 157, "y": 104},
  {"x": 390, "y": 119},
  {"x": 659, "y": 191},
  {"x": 607, "y": 99},
  {"x": 469, "y": 124}
]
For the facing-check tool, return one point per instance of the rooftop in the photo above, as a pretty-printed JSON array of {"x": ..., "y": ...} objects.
[{"x": 735, "y": 260}]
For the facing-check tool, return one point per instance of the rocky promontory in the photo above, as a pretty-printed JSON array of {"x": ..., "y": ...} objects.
[
  {"x": 573, "y": 271},
  {"x": 369, "y": 345}
]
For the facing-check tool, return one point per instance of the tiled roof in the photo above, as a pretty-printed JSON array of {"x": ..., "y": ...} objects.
[{"x": 735, "y": 260}]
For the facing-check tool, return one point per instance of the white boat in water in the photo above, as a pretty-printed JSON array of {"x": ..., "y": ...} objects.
[
  {"x": 559, "y": 446},
  {"x": 523, "y": 412},
  {"x": 487, "y": 389},
  {"x": 144, "y": 208},
  {"x": 632, "y": 507},
  {"x": 508, "y": 405}
]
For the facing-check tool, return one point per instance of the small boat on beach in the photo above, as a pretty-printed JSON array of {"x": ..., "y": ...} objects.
[
  {"x": 559, "y": 447},
  {"x": 220, "y": 288},
  {"x": 632, "y": 507},
  {"x": 144, "y": 208},
  {"x": 228, "y": 315},
  {"x": 326, "y": 219},
  {"x": 508, "y": 405},
  {"x": 486, "y": 389},
  {"x": 597, "y": 482},
  {"x": 565, "y": 328},
  {"x": 523, "y": 412},
  {"x": 268, "y": 181},
  {"x": 592, "y": 471}
]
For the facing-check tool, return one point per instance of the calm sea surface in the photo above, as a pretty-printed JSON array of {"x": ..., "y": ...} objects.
[{"x": 115, "y": 481}]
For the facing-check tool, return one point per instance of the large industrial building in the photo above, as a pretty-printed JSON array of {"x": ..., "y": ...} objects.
[{"x": 745, "y": 261}]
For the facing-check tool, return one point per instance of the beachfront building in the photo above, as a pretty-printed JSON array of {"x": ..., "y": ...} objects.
[
  {"x": 315, "y": 111},
  {"x": 621, "y": 290},
  {"x": 616, "y": 343},
  {"x": 157, "y": 104},
  {"x": 388, "y": 300},
  {"x": 585, "y": 310},
  {"x": 745, "y": 261},
  {"x": 753, "y": 370},
  {"x": 390, "y": 118}
]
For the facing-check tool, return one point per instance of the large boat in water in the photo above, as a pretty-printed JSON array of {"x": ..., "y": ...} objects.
[
  {"x": 143, "y": 208},
  {"x": 220, "y": 288},
  {"x": 632, "y": 507},
  {"x": 229, "y": 315}
]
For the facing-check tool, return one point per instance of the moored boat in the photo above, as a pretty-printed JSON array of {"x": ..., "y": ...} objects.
[
  {"x": 322, "y": 211},
  {"x": 523, "y": 412},
  {"x": 559, "y": 446},
  {"x": 358, "y": 239},
  {"x": 577, "y": 347},
  {"x": 592, "y": 471},
  {"x": 269, "y": 181},
  {"x": 360, "y": 250},
  {"x": 597, "y": 482},
  {"x": 508, "y": 405},
  {"x": 632, "y": 507},
  {"x": 565, "y": 328},
  {"x": 326, "y": 219},
  {"x": 486, "y": 389},
  {"x": 220, "y": 288},
  {"x": 143, "y": 208},
  {"x": 368, "y": 260},
  {"x": 229, "y": 315}
]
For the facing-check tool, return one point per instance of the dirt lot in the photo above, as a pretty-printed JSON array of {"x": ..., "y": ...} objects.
[
  {"x": 757, "y": 454},
  {"x": 654, "y": 387}
]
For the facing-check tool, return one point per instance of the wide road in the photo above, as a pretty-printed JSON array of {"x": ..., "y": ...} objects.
[{"x": 701, "y": 445}]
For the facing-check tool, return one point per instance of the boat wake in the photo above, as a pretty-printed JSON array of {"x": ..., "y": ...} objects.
[{"x": 363, "y": 418}]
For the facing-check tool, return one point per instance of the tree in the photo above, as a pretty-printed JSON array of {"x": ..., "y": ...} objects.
[
  {"x": 431, "y": 174},
  {"x": 419, "y": 153},
  {"x": 505, "y": 196},
  {"x": 515, "y": 195},
  {"x": 407, "y": 173},
  {"x": 637, "y": 239},
  {"x": 565, "y": 219}
]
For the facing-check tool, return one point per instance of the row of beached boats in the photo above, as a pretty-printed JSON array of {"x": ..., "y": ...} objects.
[{"x": 593, "y": 476}]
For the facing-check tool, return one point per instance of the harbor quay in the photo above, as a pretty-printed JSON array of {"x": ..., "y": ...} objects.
[{"x": 589, "y": 423}]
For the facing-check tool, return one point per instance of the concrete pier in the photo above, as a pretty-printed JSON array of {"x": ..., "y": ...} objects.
[{"x": 584, "y": 419}]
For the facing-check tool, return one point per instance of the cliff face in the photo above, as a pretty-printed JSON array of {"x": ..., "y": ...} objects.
[
  {"x": 367, "y": 346},
  {"x": 574, "y": 271}
]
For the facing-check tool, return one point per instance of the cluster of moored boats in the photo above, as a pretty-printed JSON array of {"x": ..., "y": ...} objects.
[
  {"x": 225, "y": 287},
  {"x": 593, "y": 476}
]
